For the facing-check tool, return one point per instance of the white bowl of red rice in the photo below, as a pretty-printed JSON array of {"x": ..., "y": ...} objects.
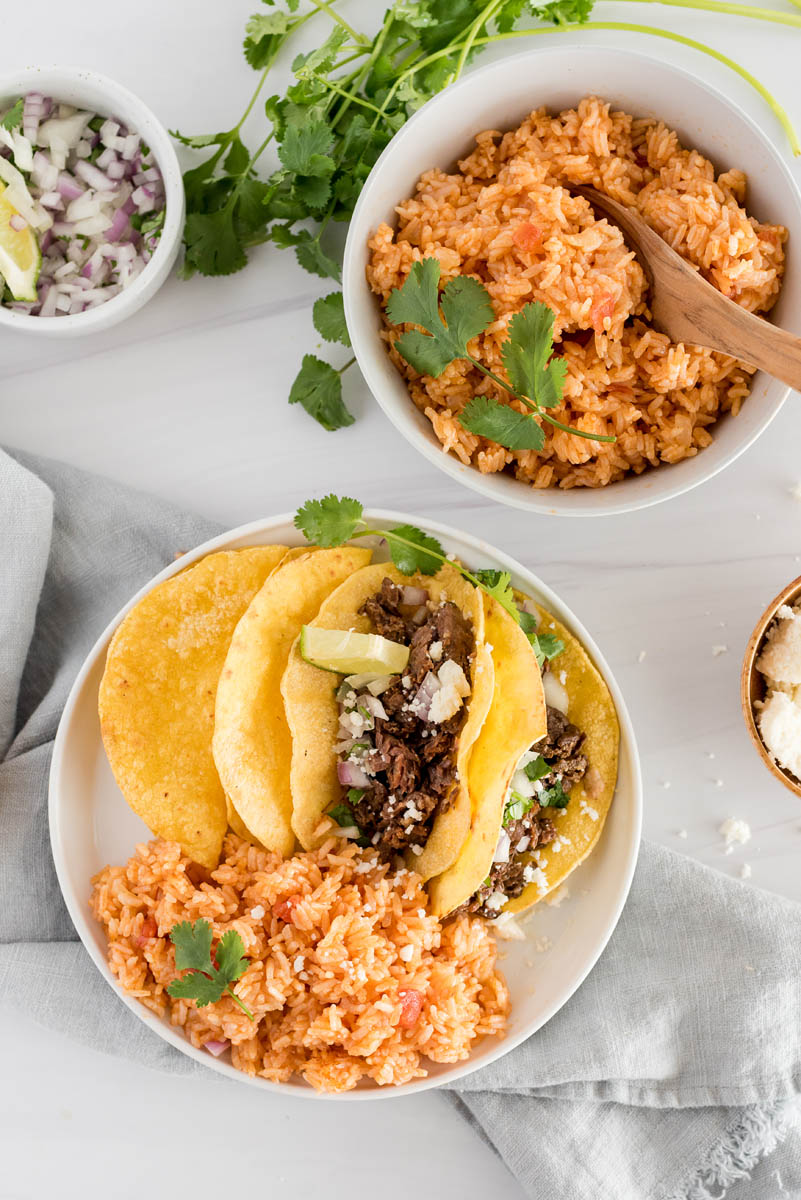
[
  {"x": 92, "y": 826},
  {"x": 622, "y": 122}
]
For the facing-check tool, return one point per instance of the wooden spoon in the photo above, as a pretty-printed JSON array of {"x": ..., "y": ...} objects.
[{"x": 688, "y": 309}]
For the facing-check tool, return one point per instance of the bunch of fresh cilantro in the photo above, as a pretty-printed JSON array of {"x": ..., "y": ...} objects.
[{"x": 347, "y": 100}]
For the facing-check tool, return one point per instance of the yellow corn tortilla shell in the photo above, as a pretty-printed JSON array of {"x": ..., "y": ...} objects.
[
  {"x": 157, "y": 694},
  {"x": 311, "y": 706},
  {"x": 590, "y": 706},
  {"x": 252, "y": 745},
  {"x": 516, "y": 719}
]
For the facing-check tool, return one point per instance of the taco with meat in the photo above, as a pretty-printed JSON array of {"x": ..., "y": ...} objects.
[
  {"x": 385, "y": 693},
  {"x": 542, "y": 772}
]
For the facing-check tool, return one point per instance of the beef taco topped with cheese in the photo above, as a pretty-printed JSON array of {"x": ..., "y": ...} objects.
[
  {"x": 538, "y": 802},
  {"x": 385, "y": 693}
]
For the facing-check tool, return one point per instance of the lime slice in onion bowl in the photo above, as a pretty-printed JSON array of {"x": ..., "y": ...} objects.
[{"x": 20, "y": 257}]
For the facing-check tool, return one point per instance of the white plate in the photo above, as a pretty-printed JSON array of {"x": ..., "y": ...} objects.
[
  {"x": 499, "y": 96},
  {"x": 91, "y": 825}
]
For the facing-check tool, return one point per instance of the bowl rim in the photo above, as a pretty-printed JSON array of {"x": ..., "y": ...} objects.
[
  {"x": 166, "y": 251},
  {"x": 502, "y": 488},
  {"x": 792, "y": 591},
  {"x": 264, "y": 528}
]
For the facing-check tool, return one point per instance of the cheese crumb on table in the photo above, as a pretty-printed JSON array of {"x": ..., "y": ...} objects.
[
  {"x": 735, "y": 832},
  {"x": 745, "y": 871}
]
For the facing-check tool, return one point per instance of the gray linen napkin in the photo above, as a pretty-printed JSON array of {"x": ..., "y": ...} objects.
[{"x": 675, "y": 1071}]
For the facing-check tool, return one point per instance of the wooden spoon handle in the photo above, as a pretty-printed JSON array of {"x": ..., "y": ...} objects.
[{"x": 753, "y": 340}]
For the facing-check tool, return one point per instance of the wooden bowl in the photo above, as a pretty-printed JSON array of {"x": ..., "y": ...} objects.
[{"x": 752, "y": 684}]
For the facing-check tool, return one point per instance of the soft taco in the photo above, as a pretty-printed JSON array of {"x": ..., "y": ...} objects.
[
  {"x": 385, "y": 693},
  {"x": 542, "y": 773}
]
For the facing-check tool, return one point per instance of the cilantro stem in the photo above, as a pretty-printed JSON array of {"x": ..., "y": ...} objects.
[
  {"x": 323, "y": 6},
  {"x": 736, "y": 10},
  {"x": 538, "y": 409},
  {"x": 349, "y": 363},
  {"x": 352, "y": 99},
  {"x": 244, "y": 1007},
  {"x": 481, "y": 20}
]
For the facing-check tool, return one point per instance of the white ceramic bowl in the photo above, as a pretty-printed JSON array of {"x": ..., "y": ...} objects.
[
  {"x": 91, "y": 825},
  {"x": 498, "y": 96},
  {"x": 86, "y": 89}
]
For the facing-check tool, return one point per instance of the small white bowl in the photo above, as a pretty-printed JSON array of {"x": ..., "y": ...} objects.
[
  {"x": 499, "y": 96},
  {"x": 88, "y": 90}
]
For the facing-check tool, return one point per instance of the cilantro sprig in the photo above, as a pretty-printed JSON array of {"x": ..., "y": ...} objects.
[
  {"x": 13, "y": 118},
  {"x": 334, "y": 520},
  {"x": 206, "y": 981},
  {"x": 345, "y": 101},
  {"x": 536, "y": 377}
]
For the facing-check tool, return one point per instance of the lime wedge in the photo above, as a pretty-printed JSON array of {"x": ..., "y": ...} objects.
[
  {"x": 347, "y": 652},
  {"x": 20, "y": 257}
]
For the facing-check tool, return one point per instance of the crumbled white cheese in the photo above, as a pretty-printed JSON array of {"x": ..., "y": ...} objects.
[
  {"x": 735, "y": 832},
  {"x": 588, "y": 810},
  {"x": 406, "y": 681},
  {"x": 780, "y": 726},
  {"x": 718, "y": 650},
  {"x": 451, "y": 674},
  {"x": 508, "y": 928},
  {"x": 299, "y": 964},
  {"x": 682, "y": 833},
  {"x": 258, "y": 912},
  {"x": 536, "y": 875},
  {"x": 495, "y": 901},
  {"x": 406, "y": 952},
  {"x": 418, "y": 850},
  {"x": 780, "y": 660},
  {"x": 795, "y": 491},
  {"x": 641, "y": 656},
  {"x": 745, "y": 871},
  {"x": 665, "y": 784},
  {"x": 563, "y": 677},
  {"x": 556, "y": 897},
  {"x": 718, "y": 783},
  {"x": 558, "y": 842},
  {"x": 435, "y": 651}
]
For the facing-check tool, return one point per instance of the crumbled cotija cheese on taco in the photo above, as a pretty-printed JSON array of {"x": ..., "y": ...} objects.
[{"x": 779, "y": 716}]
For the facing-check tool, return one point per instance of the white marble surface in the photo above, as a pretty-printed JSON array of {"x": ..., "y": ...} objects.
[{"x": 188, "y": 400}]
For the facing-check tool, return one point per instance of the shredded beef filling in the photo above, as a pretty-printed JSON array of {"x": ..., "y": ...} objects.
[
  {"x": 414, "y": 761},
  {"x": 560, "y": 749}
]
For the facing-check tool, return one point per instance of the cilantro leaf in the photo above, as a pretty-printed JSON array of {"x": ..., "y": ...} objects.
[
  {"x": 314, "y": 259},
  {"x": 553, "y": 797},
  {"x": 416, "y": 301},
  {"x": 213, "y": 245},
  {"x": 13, "y": 118},
  {"x": 331, "y": 521},
  {"x": 205, "y": 980},
  {"x": 344, "y": 816},
  {"x": 265, "y": 34},
  {"x": 498, "y": 584},
  {"x": 491, "y": 418},
  {"x": 312, "y": 190},
  {"x": 415, "y": 557},
  {"x": 538, "y": 768},
  {"x": 305, "y": 148},
  {"x": 230, "y": 956},
  {"x": 318, "y": 388},
  {"x": 329, "y": 318},
  {"x": 198, "y": 987},
  {"x": 565, "y": 12},
  {"x": 466, "y": 307},
  {"x": 192, "y": 945},
  {"x": 550, "y": 645},
  {"x": 517, "y": 806},
  {"x": 526, "y": 352}
]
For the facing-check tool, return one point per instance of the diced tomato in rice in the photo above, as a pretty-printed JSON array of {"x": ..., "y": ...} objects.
[
  {"x": 285, "y": 908},
  {"x": 411, "y": 1007},
  {"x": 527, "y": 237}
]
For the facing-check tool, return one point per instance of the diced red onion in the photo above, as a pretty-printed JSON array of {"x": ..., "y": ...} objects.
[
  {"x": 52, "y": 200},
  {"x": 68, "y": 187},
  {"x": 421, "y": 704},
  {"x": 502, "y": 849},
  {"x": 350, "y": 775},
  {"x": 420, "y": 615},
  {"x": 372, "y": 705},
  {"x": 18, "y": 223},
  {"x": 94, "y": 177},
  {"x": 47, "y": 238},
  {"x": 216, "y": 1047},
  {"x": 116, "y": 170}
]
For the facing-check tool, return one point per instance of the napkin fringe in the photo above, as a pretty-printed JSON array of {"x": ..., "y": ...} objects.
[{"x": 756, "y": 1133}]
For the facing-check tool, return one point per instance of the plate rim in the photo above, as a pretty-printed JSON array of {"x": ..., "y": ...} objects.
[{"x": 172, "y": 1035}]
